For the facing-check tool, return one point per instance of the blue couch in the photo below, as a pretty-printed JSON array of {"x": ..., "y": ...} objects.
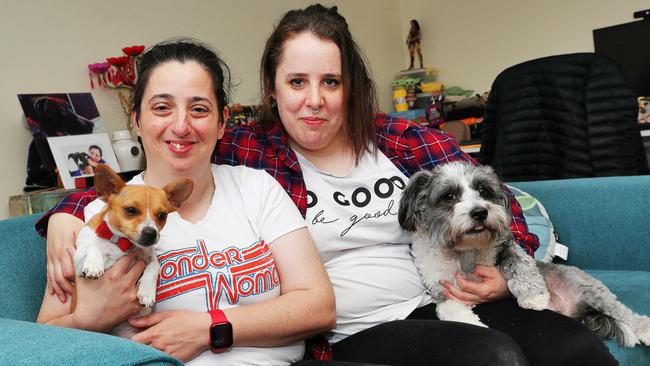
[
  {"x": 605, "y": 223},
  {"x": 22, "y": 284},
  {"x": 602, "y": 220}
]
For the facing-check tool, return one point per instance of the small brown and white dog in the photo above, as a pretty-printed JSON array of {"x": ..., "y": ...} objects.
[
  {"x": 461, "y": 217},
  {"x": 132, "y": 219}
]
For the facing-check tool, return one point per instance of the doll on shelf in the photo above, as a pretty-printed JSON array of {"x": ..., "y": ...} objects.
[{"x": 413, "y": 42}]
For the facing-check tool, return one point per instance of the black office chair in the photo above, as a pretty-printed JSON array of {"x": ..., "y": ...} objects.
[{"x": 565, "y": 116}]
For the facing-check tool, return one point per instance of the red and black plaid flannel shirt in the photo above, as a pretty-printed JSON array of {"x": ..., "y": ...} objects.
[{"x": 409, "y": 146}]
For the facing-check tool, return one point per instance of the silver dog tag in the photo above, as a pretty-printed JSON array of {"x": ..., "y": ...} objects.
[{"x": 468, "y": 261}]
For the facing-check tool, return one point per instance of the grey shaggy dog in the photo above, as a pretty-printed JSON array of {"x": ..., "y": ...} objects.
[{"x": 461, "y": 217}]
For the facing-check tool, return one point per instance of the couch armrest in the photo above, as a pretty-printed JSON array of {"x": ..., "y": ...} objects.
[
  {"x": 604, "y": 221},
  {"x": 22, "y": 268},
  {"x": 25, "y": 343}
]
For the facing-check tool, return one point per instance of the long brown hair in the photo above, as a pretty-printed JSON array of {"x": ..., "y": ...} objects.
[{"x": 359, "y": 90}]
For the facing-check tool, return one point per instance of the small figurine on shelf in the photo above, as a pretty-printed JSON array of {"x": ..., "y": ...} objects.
[{"x": 413, "y": 42}]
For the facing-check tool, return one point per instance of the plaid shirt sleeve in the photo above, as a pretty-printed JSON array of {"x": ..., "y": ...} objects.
[
  {"x": 519, "y": 228},
  {"x": 72, "y": 204},
  {"x": 412, "y": 147}
]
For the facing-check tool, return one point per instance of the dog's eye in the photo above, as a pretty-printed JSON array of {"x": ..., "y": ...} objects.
[
  {"x": 131, "y": 211},
  {"x": 484, "y": 192},
  {"x": 449, "y": 197},
  {"x": 162, "y": 216}
]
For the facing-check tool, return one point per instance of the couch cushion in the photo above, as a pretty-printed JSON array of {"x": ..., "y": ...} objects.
[
  {"x": 24, "y": 343},
  {"x": 602, "y": 220},
  {"x": 539, "y": 223},
  {"x": 22, "y": 268},
  {"x": 632, "y": 288}
]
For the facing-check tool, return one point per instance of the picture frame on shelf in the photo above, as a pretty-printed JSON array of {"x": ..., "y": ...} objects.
[
  {"x": 51, "y": 115},
  {"x": 76, "y": 156}
]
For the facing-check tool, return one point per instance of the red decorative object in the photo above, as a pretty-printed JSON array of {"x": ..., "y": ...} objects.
[
  {"x": 98, "y": 67},
  {"x": 118, "y": 61},
  {"x": 118, "y": 73},
  {"x": 133, "y": 50}
]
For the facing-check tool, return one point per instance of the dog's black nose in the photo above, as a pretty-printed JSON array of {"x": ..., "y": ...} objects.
[
  {"x": 148, "y": 236},
  {"x": 479, "y": 214}
]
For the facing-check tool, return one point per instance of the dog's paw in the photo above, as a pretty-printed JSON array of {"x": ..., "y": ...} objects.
[
  {"x": 92, "y": 269},
  {"x": 644, "y": 338},
  {"x": 146, "y": 299},
  {"x": 478, "y": 323},
  {"x": 643, "y": 331},
  {"x": 535, "y": 302},
  {"x": 146, "y": 294},
  {"x": 451, "y": 310}
]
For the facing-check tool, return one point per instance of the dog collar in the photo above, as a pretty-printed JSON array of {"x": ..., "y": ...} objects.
[{"x": 105, "y": 233}]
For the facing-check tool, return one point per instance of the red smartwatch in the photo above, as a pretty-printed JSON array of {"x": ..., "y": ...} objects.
[{"x": 220, "y": 332}]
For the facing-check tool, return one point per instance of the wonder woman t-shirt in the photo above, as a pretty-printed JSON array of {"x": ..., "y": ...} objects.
[{"x": 224, "y": 260}]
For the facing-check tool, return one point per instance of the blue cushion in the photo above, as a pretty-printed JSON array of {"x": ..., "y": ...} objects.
[
  {"x": 602, "y": 220},
  {"x": 22, "y": 268},
  {"x": 538, "y": 223},
  {"x": 632, "y": 289},
  {"x": 24, "y": 343}
]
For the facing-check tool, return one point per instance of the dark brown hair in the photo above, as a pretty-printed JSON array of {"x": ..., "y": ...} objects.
[
  {"x": 183, "y": 50},
  {"x": 359, "y": 92}
]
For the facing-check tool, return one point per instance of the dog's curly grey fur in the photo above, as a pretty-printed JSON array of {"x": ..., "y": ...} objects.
[{"x": 460, "y": 213}]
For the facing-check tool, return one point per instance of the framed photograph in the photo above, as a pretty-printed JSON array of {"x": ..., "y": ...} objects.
[
  {"x": 51, "y": 115},
  {"x": 76, "y": 156},
  {"x": 58, "y": 114}
]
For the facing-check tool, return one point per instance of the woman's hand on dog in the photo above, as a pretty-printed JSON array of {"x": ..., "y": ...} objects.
[
  {"x": 111, "y": 299},
  {"x": 182, "y": 334},
  {"x": 490, "y": 286},
  {"x": 62, "y": 229}
]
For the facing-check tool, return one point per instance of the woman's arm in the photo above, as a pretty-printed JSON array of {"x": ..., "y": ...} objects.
[
  {"x": 102, "y": 303},
  {"x": 305, "y": 307},
  {"x": 61, "y": 228},
  {"x": 62, "y": 232}
]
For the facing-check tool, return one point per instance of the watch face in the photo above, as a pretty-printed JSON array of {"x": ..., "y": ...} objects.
[{"x": 221, "y": 335}]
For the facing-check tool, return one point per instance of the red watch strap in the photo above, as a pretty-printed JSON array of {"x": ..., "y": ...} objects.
[
  {"x": 218, "y": 316},
  {"x": 219, "y": 321}
]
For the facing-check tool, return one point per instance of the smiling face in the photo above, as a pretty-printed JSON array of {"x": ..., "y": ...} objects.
[
  {"x": 95, "y": 154},
  {"x": 179, "y": 120},
  {"x": 457, "y": 205},
  {"x": 309, "y": 94}
]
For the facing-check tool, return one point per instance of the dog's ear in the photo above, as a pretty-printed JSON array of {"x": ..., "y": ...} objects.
[
  {"x": 107, "y": 182},
  {"x": 178, "y": 191},
  {"x": 503, "y": 192},
  {"x": 409, "y": 207},
  {"x": 504, "y": 195}
]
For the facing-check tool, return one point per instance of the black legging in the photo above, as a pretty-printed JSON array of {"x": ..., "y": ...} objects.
[
  {"x": 425, "y": 342},
  {"x": 544, "y": 337}
]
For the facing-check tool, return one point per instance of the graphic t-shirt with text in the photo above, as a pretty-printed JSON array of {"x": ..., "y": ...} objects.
[
  {"x": 224, "y": 260},
  {"x": 353, "y": 220}
]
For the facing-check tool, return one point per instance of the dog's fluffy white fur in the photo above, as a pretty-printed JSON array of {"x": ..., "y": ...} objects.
[
  {"x": 95, "y": 255},
  {"x": 460, "y": 214}
]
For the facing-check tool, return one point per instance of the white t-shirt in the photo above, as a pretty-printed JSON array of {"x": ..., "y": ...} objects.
[
  {"x": 353, "y": 220},
  {"x": 224, "y": 260}
]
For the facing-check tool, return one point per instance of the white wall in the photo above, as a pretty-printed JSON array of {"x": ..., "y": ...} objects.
[
  {"x": 471, "y": 41},
  {"x": 46, "y": 45}
]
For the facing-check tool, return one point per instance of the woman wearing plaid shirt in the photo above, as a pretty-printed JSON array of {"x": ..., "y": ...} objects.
[{"x": 345, "y": 166}]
